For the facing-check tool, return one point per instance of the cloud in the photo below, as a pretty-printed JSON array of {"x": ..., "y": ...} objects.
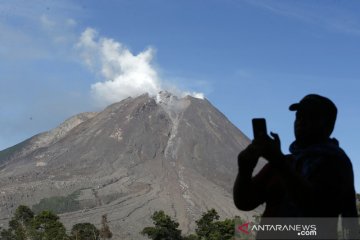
[
  {"x": 59, "y": 30},
  {"x": 124, "y": 74}
]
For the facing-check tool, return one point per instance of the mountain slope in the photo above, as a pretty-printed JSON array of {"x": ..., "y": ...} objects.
[{"x": 135, "y": 157}]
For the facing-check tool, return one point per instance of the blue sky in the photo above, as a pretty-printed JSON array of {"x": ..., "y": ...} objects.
[{"x": 249, "y": 58}]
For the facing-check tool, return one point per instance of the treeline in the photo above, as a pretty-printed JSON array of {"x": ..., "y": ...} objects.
[
  {"x": 25, "y": 225},
  {"x": 208, "y": 227},
  {"x": 46, "y": 225}
]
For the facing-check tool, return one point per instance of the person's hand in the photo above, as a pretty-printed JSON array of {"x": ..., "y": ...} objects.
[
  {"x": 248, "y": 158},
  {"x": 270, "y": 148}
]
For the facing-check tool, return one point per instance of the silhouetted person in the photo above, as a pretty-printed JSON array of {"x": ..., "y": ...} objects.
[{"x": 315, "y": 180}]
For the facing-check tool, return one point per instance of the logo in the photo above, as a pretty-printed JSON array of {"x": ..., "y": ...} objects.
[
  {"x": 244, "y": 228},
  {"x": 275, "y": 229}
]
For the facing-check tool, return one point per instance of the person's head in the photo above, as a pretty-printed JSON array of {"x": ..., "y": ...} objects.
[{"x": 315, "y": 118}]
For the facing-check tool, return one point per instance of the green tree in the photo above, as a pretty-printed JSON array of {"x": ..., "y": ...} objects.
[
  {"x": 105, "y": 232},
  {"x": 25, "y": 225},
  {"x": 165, "y": 228},
  {"x": 8, "y": 234},
  {"x": 84, "y": 231},
  {"x": 47, "y": 226},
  {"x": 209, "y": 228},
  {"x": 19, "y": 225},
  {"x": 205, "y": 225},
  {"x": 24, "y": 215},
  {"x": 191, "y": 237}
]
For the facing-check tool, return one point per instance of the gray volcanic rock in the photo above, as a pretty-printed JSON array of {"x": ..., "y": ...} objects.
[
  {"x": 135, "y": 157},
  {"x": 43, "y": 140}
]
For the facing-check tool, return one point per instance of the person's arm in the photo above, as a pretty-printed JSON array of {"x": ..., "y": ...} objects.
[{"x": 249, "y": 191}]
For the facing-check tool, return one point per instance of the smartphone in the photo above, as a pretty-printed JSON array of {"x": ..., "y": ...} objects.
[{"x": 259, "y": 128}]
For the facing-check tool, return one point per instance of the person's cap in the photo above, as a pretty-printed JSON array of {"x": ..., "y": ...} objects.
[{"x": 316, "y": 104}]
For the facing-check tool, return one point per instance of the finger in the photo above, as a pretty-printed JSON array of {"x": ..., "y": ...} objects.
[{"x": 275, "y": 136}]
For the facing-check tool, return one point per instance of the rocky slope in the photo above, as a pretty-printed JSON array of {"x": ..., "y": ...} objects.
[{"x": 135, "y": 157}]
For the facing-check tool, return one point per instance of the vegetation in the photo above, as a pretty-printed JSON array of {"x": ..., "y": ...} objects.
[
  {"x": 25, "y": 225},
  {"x": 46, "y": 225},
  {"x": 165, "y": 228},
  {"x": 58, "y": 204},
  {"x": 208, "y": 228},
  {"x": 85, "y": 231}
]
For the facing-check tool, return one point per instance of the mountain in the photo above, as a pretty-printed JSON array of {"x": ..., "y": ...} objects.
[{"x": 135, "y": 157}]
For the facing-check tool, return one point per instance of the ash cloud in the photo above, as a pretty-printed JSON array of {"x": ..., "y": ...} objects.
[{"x": 123, "y": 73}]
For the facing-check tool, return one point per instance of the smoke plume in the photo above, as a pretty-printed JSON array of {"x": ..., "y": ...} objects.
[{"x": 123, "y": 74}]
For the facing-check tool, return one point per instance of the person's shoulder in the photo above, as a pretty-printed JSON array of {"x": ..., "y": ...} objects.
[
  {"x": 330, "y": 149},
  {"x": 337, "y": 153},
  {"x": 335, "y": 157}
]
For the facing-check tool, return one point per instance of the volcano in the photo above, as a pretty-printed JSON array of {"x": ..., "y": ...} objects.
[{"x": 135, "y": 157}]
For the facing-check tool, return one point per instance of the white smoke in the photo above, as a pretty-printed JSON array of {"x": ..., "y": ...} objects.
[{"x": 124, "y": 74}]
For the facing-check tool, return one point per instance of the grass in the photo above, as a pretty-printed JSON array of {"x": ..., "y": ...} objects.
[{"x": 59, "y": 204}]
